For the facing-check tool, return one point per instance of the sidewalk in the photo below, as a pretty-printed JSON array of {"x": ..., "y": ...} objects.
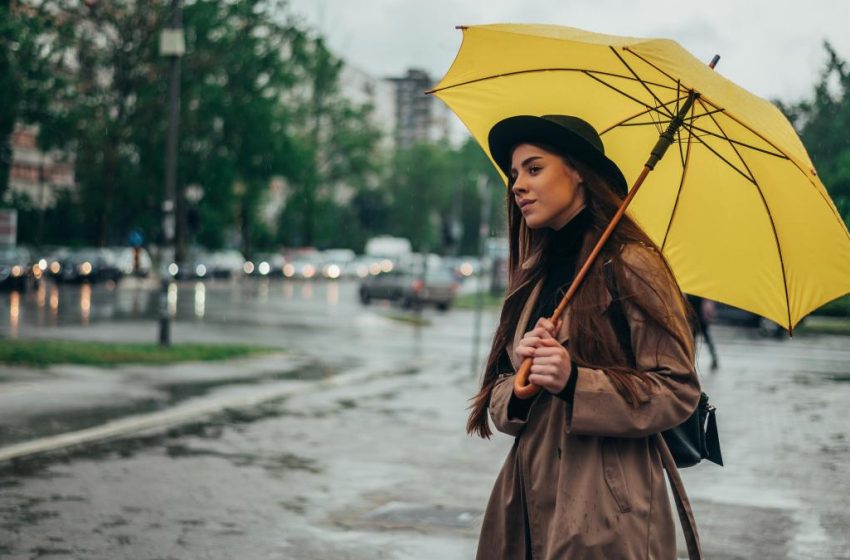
[{"x": 374, "y": 462}]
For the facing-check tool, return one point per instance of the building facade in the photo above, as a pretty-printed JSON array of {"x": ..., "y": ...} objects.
[
  {"x": 35, "y": 174},
  {"x": 419, "y": 117}
]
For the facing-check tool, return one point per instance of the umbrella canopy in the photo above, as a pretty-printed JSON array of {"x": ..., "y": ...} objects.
[{"x": 736, "y": 204}]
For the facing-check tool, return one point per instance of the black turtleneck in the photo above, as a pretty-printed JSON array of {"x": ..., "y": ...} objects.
[{"x": 561, "y": 261}]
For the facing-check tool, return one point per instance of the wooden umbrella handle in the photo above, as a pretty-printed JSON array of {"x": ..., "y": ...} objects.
[{"x": 522, "y": 388}]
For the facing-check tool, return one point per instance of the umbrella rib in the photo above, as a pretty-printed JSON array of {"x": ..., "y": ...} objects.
[
  {"x": 685, "y": 160},
  {"x": 650, "y": 108},
  {"x": 679, "y": 138},
  {"x": 796, "y": 164},
  {"x": 535, "y": 70},
  {"x": 633, "y": 53},
  {"x": 648, "y": 90},
  {"x": 755, "y": 132},
  {"x": 679, "y": 144},
  {"x": 726, "y": 161},
  {"x": 779, "y": 253},
  {"x": 625, "y": 122},
  {"x": 732, "y": 144}
]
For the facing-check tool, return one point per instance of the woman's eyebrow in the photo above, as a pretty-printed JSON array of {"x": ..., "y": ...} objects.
[{"x": 525, "y": 162}]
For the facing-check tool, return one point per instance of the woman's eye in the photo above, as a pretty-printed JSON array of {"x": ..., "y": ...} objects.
[{"x": 534, "y": 169}]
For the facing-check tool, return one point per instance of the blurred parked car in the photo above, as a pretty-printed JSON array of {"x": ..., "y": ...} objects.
[
  {"x": 335, "y": 262},
  {"x": 52, "y": 262},
  {"x": 410, "y": 289},
  {"x": 463, "y": 267},
  {"x": 15, "y": 268},
  {"x": 85, "y": 265},
  {"x": 306, "y": 266},
  {"x": 195, "y": 266},
  {"x": 265, "y": 264},
  {"x": 109, "y": 267},
  {"x": 735, "y": 316},
  {"x": 131, "y": 265},
  {"x": 226, "y": 264}
]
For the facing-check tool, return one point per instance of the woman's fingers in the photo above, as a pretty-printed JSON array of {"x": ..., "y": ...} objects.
[
  {"x": 537, "y": 339},
  {"x": 547, "y": 360},
  {"x": 524, "y": 351},
  {"x": 546, "y": 325},
  {"x": 548, "y": 382}
]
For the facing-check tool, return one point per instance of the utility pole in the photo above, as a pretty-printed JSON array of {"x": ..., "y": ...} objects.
[{"x": 172, "y": 45}]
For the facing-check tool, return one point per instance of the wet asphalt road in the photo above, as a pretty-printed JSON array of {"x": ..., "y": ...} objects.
[{"x": 381, "y": 468}]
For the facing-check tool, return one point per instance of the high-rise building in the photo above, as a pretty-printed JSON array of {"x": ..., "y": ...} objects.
[
  {"x": 362, "y": 88},
  {"x": 419, "y": 117}
]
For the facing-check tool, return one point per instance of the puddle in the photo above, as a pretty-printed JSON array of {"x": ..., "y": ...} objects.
[
  {"x": 178, "y": 392},
  {"x": 275, "y": 464},
  {"x": 401, "y": 515},
  {"x": 211, "y": 428},
  {"x": 43, "y": 425}
]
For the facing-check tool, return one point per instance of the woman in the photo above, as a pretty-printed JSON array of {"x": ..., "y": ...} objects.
[{"x": 584, "y": 478}]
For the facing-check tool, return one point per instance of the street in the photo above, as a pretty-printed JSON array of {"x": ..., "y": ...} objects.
[{"x": 359, "y": 451}]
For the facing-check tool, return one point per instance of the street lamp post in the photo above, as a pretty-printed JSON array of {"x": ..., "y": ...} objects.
[{"x": 171, "y": 45}]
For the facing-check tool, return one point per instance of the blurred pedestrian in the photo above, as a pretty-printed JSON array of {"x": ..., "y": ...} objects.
[
  {"x": 584, "y": 477},
  {"x": 703, "y": 315}
]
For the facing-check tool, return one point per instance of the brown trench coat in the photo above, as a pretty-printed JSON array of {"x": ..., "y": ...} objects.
[{"x": 589, "y": 474}]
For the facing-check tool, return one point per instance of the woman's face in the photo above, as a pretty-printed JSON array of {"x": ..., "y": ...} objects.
[{"x": 547, "y": 190}]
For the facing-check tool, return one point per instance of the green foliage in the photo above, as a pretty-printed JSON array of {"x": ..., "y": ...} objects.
[
  {"x": 823, "y": 123},
  {"x": 32, "y": 46},
  {"x": 260, "y": 101},
  {"x": 337, "y": 149},
  {"x": 430, "y": 187}
]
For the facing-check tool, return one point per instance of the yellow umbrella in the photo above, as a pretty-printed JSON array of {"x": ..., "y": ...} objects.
[{"x": 736, "y": 205}]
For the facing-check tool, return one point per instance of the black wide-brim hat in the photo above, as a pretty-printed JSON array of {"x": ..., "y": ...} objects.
[{"x": 569, "y": 135}]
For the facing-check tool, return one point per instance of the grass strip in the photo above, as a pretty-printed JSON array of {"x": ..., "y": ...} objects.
[
  {"x": 411, "y": 318},
  {"x": 43, "y": 353},
  {"x": 470, "y": 301},
  {"x": 815, "y": 324}
]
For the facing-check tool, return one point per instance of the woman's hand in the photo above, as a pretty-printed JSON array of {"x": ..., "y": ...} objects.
[{"x": 551, "y": 363}]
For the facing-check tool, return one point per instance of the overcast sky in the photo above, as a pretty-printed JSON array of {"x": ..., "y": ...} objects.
[{"x": 771, "y": 47}]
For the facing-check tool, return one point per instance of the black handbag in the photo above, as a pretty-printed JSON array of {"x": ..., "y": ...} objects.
[{"x": 694, "y": 439}]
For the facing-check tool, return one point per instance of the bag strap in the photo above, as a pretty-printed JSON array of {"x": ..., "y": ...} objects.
[
  {"x": 683, "y": 505},
  {"x": 620, "y": 323}
]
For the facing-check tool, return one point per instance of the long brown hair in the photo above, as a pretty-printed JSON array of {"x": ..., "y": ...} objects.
[{"x": 593, "y": 342}]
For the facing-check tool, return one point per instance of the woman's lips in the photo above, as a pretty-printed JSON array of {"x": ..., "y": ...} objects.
[{"x": 523, "y": 204}]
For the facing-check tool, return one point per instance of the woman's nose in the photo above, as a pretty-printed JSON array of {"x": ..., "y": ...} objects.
[{"x": 518, "y": 186}]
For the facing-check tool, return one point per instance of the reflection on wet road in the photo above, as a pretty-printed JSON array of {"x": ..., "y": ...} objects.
[{"x": 216, "y": 301}]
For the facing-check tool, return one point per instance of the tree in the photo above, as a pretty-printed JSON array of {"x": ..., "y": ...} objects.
[
  {"x": 241, "y": 67},
  {"x": 431, "y": 187},
  {"x": 32, "y": 46},
  {"x": 337, "y": 148}
]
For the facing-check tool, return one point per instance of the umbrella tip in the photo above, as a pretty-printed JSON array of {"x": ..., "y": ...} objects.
[
  {"x": 714, "y": 61},
  {"x": 461, "y": 27}
]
